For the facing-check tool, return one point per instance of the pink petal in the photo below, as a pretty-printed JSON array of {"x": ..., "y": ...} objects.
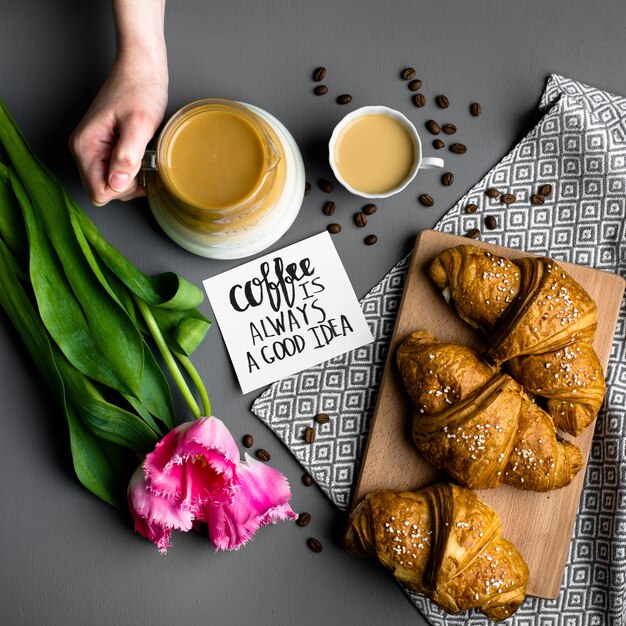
[
  {"x": 155, "y": 516},
  {"x": 262, "y": 498},
  {"x": 194, "y": 463}
]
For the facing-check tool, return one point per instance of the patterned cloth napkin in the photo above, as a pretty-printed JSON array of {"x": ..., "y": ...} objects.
[{"x": 579, "y": 147}]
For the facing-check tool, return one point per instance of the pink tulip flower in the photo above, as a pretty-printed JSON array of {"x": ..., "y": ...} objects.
[{"x": 195, "y": 474}]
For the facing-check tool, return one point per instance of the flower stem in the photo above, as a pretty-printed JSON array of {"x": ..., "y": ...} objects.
[
  {"x": 193, "y": 374},
  {"x": 170, "y": 362}
]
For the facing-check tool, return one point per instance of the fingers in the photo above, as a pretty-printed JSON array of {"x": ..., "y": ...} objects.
[{"x": 134, "y": 135}]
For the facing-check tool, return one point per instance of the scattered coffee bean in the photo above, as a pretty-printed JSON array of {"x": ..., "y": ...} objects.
[
  {"x": 314, "y": 544},
  {"x": 304, "y": 519},
  {"x": 458, "y": 148},
  {"x": 328, "y": 208},
  {"x": 507, "y": 198},
  {"x": 345, "y": 98},
  {"x": 248, "y": 441},
  {"x": 322, "y": 418},
  {"x": 407, "y": 73},
  {"x": 419, "y": 100},
  {"x": 545, "y": 190},
  {"x": 475, "y": 109},
  {"x": 474, "y": 233},
  {"x": 360, "y": 220},
  {"x": 416, "y": 84},
  {"x": 307, "y": 481},
  {"x": 309, "y": 434},
  {"x": 438, "y": 144},
  {"x": 442, "y": 102},
  {"x": 264, "y": 455},
  {"x": 325, "y": 185},
  {"x": 334, "y": 229},
  {"x": 447, "y": 179},
  {"x": 537, "y": 199},
  {"x": 426, "y": 200},
  {"x": 492, "y": 192},
  {"x": 471, "y": 208},
  {"x": 369, "y": 209},
  {"x": 433, "y": 127},
  {"x": 320, "y": 90},
  {"x": 307, "y": 189},
  {"x": 491, "y": 222},
  {"x": 449, "y": 129},
  {"x": 319, "y": 73},
  {"x": 370, "y": 240}
]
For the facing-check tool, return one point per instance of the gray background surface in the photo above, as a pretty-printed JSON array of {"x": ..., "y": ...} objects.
[{"x": 67, "y": 558}]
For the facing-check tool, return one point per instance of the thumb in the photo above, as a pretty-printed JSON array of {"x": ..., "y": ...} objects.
[{"x": 126, "y": 157}]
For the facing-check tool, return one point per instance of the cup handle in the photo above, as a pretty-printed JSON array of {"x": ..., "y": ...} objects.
[{"x": 431, "y": 163}]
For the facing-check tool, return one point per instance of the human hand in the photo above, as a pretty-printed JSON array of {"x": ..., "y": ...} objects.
[{"x": 109, "y": 143}]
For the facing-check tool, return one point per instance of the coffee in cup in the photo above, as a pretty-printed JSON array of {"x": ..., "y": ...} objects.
[{"x": 376, "y": 151}]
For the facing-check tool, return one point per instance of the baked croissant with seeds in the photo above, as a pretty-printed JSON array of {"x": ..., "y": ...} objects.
[
  {"x": 537, "y": 319},
  {"x": 441, "y": 541},
  {"x": 477, "y": 424}
]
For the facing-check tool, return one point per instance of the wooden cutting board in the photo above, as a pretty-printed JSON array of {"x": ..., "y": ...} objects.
[{"x": 539, "y": 524}]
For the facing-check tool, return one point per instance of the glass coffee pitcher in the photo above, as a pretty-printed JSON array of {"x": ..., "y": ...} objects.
[{"x": 226, "y": 179}]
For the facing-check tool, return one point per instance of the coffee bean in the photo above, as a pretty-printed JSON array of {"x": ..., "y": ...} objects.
[
  {"x": 264, "y": 455},
  {"x": 492, "y": 192},
  {"x": 458, "y": 148},
  {"x": 320, "y": 90},
  {"x": 307, "y": 189},
  {"x": 307, "y": 481},
  {"x": 442, "y": 102},
  {"x": 433, "y": 127},
  {"x": 304, "y": 519},
  {"x": 334, "y": 229},
  {"x": 369, "y": 209},
  {"x": 248, "y": 441},
  {"x": 545, "y": 190},
  {"x": 370, "y": 240},
  {"x": 474, "y": 233},
  {"x": 537, "y": 199},
  {"x": 414, "y": 85},
  {"x": 438, "y": 144},
  {"x": 345, "y": 98},
  {"x": 314, "y": 544},
  {"x": 426, "y": 200},
  {"x": 419, "y": 100},
  {"x": 407, "y": 73},
  {"x": 322, "y": 418},
  {"x": 507, "y": 198},
  {"x": 491, "y": 222},
  {"x": 360, "y": 220},
  {"x": 309, "y": 434},
  {"x": 449, "y": 129},
  {"x": 325, "y": 185},
  {"x": 475, "y": 109},
  {"x": 319, "y": 73},
  {"x": 471, "y": 208},
  {"x": 328, "y": 208},
  {"x": 447, "y": 179}
]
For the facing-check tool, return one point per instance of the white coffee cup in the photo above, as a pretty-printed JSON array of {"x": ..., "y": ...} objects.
[{"x": 419, "y": 161}]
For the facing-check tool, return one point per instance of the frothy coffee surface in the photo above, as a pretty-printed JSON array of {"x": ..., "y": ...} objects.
[
  {"x": 215, "y": 159},
  {"x": 374, "y": 153}
]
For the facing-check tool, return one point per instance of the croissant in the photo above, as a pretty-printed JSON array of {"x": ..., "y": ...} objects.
[
  {"x": 477, "y": 423},
  {"x": 537, "y": 318},
  {"x": 441, "y": 541}
]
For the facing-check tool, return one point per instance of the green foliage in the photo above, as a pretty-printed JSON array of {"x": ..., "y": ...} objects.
[{"x": 87, "y": 317}]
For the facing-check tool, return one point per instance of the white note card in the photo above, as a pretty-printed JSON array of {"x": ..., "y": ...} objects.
[{"x": 287, "y": 311}]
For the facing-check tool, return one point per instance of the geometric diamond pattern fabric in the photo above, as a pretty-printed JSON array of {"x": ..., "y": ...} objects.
[{"x": 579, "y": 147}]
